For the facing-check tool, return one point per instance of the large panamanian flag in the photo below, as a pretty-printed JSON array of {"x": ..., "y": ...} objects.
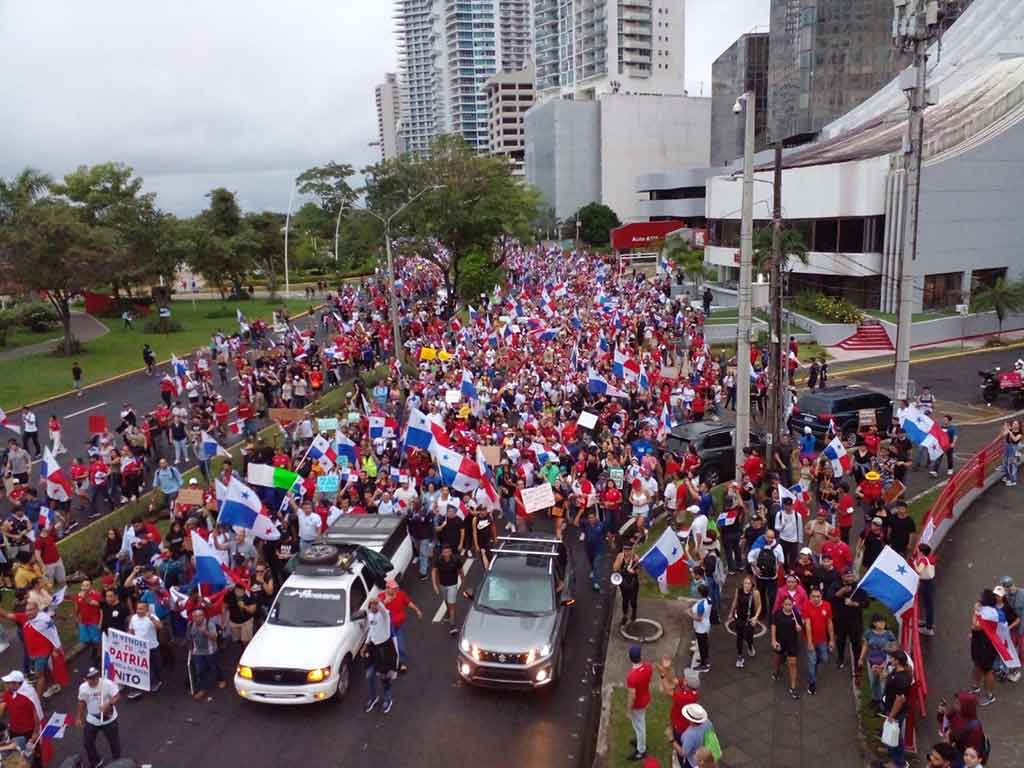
[
  {"x": 924, "y": 431},
  {"x": 891, "y": 580},
  {"x": 664, "y": 561}
]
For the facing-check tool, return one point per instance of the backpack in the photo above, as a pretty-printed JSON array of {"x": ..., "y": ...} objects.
[
  {"x": 712, "y": 744},
  {"x": 766, "y": 563},
  {"x": 715, "y": 568}
]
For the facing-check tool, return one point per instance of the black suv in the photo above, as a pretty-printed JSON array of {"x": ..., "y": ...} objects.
[
  {"x": 715, "y": 447},
  {"x": 840, "y": 404}
]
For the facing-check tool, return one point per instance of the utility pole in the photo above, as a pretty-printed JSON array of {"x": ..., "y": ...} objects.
[
  {"x": 746, "y": 278},
  {"x": 918, "y": 23},
  {"x": 777, "y": 420}
]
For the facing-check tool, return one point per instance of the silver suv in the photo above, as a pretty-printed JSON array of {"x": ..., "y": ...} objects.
[{"x": 514, "y": 633}]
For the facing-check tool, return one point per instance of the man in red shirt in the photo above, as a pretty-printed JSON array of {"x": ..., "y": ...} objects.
[
  {"x": 98, "y": 472},
  {"x": 396, "y": 601},
  {"x": 753, "y": 466},
  {"x": 48, "y": 556},
  {"x": 821, "y": 636},
  {"x": 87, "y": 610},
  {"x": 23, "y": 718},
  {"x": 838, "y": 550},
  {"x": 638, "y": 696},
  {"x": 38, "y": 648},
  {"x": 682, "y": 690},
  {"x": 844, "y": 512}
]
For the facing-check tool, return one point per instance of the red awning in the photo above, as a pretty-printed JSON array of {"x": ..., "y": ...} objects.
[{"x": 642, "y": 233}]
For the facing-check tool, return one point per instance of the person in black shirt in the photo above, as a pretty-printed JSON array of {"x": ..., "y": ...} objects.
[
  {"x": 871, "y": 542},
  {"x": 241, "y": 608},
  {"x": 894, "y": 701},
  {"x": 901, "y": 529},
  {"x": 848, "y": 615},
  {"x": 786, "y": 632},
  {"x": 451, "y": 531},
  {"x": 114, "y": 614},
  {"x": 446, "y": 576}
]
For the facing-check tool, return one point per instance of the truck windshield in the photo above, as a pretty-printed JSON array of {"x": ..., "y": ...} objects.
[
  {"x": 302, "y": 607},
  {"x": 513, "y": 586},
  {"x": 814, "y": 405}
]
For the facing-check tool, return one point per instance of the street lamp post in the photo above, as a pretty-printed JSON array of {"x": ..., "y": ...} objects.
[
  {"x": 287, "y": 226},
  {"x": 392, "y": 302},
  {"x": 745, "y": 289}
]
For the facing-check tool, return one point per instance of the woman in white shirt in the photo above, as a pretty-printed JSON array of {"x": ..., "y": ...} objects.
[{"x": 146, "y": 626}]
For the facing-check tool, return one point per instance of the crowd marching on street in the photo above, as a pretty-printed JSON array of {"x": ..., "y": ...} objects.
[{"x": 572, "y": 374}]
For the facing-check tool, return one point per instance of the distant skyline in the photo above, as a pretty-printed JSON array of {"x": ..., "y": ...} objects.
[{"x": 235, "y": 94}]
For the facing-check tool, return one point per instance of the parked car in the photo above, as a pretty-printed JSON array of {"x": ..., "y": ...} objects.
[
  {"x": 715, "y": 446},
  {"x": 305, "y": 650},
  {"x": 514, "y": 633},
  {"x": 842, "y": 404}
]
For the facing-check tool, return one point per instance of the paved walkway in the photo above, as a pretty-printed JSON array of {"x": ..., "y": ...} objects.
[
  {"x": 84, "y": 327},
  {"x": 984, "y": 546}
]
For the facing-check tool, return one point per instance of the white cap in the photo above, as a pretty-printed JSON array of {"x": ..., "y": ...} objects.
[
  {"x": 693, "y": 508},
  {"x": 14, "y": 676},
  {"x": 807, "y": 430}
]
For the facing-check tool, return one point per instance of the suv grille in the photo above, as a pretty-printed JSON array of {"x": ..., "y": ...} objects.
[
  {"x": 271, "y": 676},
  {"x": 494, "y": 657}
]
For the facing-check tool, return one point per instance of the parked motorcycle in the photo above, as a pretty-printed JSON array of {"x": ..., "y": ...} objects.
[{"x": 997, "y": 382}]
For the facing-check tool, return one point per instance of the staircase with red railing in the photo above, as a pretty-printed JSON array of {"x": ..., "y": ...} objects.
[{"x": 870, "y": 337}]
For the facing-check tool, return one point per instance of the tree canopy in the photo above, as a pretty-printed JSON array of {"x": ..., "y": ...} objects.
[{"x": 597, "y": 221}]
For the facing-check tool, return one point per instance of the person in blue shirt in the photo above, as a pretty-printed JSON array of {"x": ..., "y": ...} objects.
[
  {"x": 705, "y": 502},
  {"x": 594, "y": 534},
  {"x": 808, "y": 444}
]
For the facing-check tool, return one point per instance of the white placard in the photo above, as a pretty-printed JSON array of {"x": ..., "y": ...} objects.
[
  {"x": 453, "y": 396},
  {"x": 587, "y": 420},
  {"x": 128, "y": 657},
  {"x": 538, "y": 497}
]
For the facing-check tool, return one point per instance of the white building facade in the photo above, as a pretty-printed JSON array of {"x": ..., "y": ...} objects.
[
  {"x": 509, "y": 96},
  {"x": 387, "y": 100},
  {"x": 414, "y": 28}
]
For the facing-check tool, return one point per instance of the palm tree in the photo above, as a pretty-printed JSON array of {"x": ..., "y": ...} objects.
[
  {"x": 689, "y": 261},
  {"x": 1002, "y": 297},
  {"x": 792, "y": 246},
  {"x": 20, "y": 192}
]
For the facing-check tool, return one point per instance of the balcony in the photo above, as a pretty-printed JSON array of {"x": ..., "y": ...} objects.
[{"x": 685, "y": 209}]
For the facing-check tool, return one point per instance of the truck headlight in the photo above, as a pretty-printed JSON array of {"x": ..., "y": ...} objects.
[
  {"x": 545, "y": 650},
  {"x": 244, "y": 672},
  {"x": 318, "y": 675},
  {"x": 464, "y": 644}
]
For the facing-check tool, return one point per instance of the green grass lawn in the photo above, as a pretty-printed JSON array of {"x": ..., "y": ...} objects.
[
  {"x": 620, "y": 731},
  {"x": 19, "y": 337},
  {"x": 807, "y": 350},
  {"x": 44, "y": 375}
]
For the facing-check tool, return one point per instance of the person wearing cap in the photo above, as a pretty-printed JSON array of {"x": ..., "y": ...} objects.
[
  {"x": 692, "y": 739},
  {"x": 894, "y": 702},
  {"x": 97, "y": 713},
  {"x": 397, "y": 600},
  {"x": 638, "y": 696},
  {"x": 837, "y": 549},
  {"x": 818, "y": 530},
  {"x": 871, "y": 544},
  {"x": 21, "y": 704},
  {"x": 682, "y": 690},
  {"x": 790, "y": 530},
  {"x": 627, "y": 565}
]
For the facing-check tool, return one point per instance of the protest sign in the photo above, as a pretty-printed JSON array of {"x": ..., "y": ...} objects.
[
  {"x": 587, "y": 420},
  {"x": 492, "y": 454},
  {"x": 327, "y": 425},
  {"x": 191, "y": 496},
  {"x": 865, "y": 418},
  {"x": 126, "y": 659},
  {"x": 328, "y": 484},
  {"x": 452, "y": 396},
  {"x": 618, "y": 476},
  {"x": 538, "y": 497},
  {"x": 97, "y": 424}
]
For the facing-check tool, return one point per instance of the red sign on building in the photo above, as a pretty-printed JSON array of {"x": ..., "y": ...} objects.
[{"x": 642, "y": 233}]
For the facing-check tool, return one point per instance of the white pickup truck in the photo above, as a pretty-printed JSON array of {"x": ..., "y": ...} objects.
[{"x": 305, "y": 650}]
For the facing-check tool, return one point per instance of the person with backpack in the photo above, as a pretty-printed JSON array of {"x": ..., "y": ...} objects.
[
  {"x": 715, "y": 575},
  {"x": 766, "y": 560}
]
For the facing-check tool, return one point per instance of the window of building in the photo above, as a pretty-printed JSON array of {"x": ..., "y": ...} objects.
[
  {"x": 942, "y": 290},
  {"x": 826, "y": 235},
  {"x": 851, "y": 235},
  {"x": 985, "y": 278}
]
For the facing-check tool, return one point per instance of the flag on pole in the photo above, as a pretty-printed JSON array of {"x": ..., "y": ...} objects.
[
  {"x": 58, "y": 487},
  {"x": 209, "y": 447},
  {"x": 6, "y": 421},
  {"x": 242, "y": 507},
  {"x": 597, "y": 385},
  {"x": 208, "y": 567},
  {"x": 924, "y": 431},
  {"x": 891, "y": 580},
  {"x": 345, "y": 448},
  {"x": 458, "y": 472},
  {"x": 666, "y": 553},
  {"x": 835, "y": 452},
  {"x": 268, "y": 476}
]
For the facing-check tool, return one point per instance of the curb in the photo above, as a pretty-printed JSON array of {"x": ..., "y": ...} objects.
[
  {"x": 937, "y": 358},
  {"x": 124, "y": 375}
]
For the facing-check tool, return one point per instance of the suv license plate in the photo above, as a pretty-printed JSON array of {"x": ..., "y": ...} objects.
[{"x": 808, "y": 418}]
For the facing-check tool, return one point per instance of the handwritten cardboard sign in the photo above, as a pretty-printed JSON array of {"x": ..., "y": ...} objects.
[
  {"x": 287, "y": 415},
  {"x": 327, "y": 425},
  {"x": 587, "y": 420},
  {"x": 328, "y": 484},
  {"x": 539, "y": 497},
  {"x": 492, "y": 454},
  {"x": 191, "y": 496}
]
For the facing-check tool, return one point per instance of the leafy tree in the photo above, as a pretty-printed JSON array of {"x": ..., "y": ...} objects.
[
  {"x": 22, "y": 191},
  {"x": 215, "y": 249},
  {"x": 223, "y": 217},
  {"x": 360, "y": 242},
  {"x": 793, "y": 245},
  {"x": 1002, "y": 297},
  {"x": 597, "y": 221},
  {"x": 261, "y": 243},
  {"x": 314, "y": 221},
  {"x": 476, "y": 203},
  {"x": 690, "y": 261},
  {"x": 329, "y": 183},
  {"x": 109, "y": 195},
  {"x": 48, "y": 248}
]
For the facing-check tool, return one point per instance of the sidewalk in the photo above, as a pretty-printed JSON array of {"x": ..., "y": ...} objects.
[
  {"x": 983, "y": 547},
  {"x": 759, "y": 726},
  {"x": 83, "y": 327}
]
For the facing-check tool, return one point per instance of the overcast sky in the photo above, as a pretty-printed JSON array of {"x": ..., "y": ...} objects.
[{"x": 244, "y": 94}]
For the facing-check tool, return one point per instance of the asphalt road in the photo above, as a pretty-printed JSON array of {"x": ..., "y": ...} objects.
[{"x": 436, "y": 720}]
